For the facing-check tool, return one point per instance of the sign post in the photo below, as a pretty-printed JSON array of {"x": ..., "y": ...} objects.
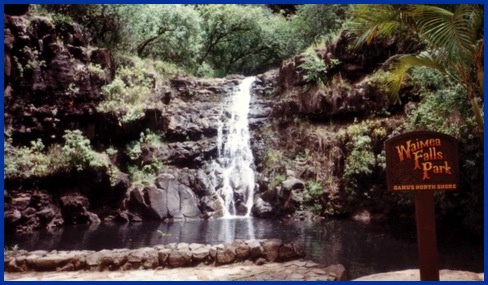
[{"x": 423, "y": 162}]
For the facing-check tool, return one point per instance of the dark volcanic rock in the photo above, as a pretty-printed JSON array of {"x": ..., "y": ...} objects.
[
  {"x": 74, "y": 209},
  {"x": 349, "y": 94},
  {"x": 49, "y": 87}
]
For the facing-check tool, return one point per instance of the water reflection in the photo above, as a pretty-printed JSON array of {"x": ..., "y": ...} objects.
[{"x": 362, "y": 248}]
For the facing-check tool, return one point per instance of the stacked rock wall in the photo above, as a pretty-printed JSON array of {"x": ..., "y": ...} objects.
[{"x": 161, "y": 256}]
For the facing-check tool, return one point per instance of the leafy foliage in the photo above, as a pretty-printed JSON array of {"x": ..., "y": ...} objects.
[
  {"x": 170, "y": 33},
  {"x": 130, "y": 92},
  {"x": 209, "y": 40},
  {"x": 141, "y": 170},
  {"x": 313, "y": 191},
  {"x": 78, "y": 154},
  {"x": 454, "y": 37},
  {"x": 363, "y": 155},
  {"x": 446, "y": 110},
  {"x": 242, "y": 38},
  {"x": 316, "y": 23},
  {"x": 102, "y": 23},
  {"x": 315, "y": 68},
  {"x": 75, "y": 154}
]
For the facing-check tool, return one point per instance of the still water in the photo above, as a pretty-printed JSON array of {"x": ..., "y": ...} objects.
[{"x": 362, "y": 248}]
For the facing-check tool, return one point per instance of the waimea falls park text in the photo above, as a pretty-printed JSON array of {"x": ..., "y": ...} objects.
[{"x": 425, "y": 155}]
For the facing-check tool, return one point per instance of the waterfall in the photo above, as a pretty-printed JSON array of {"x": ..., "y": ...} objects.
[{"x": 235, "y": 158}]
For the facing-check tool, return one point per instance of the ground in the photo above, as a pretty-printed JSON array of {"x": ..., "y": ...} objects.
[{"x": 294, "y": 270}]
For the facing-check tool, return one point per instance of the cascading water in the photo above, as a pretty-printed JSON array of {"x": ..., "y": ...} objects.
[{"x": 235, "y": 155}]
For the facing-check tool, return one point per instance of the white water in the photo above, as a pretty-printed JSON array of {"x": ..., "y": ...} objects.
[{"x": 235, "y": 154}]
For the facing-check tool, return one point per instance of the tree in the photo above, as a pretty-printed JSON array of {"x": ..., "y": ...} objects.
[
  {"x": 102, "y": 23},
  {"x": 168, "y": 32},
  {"x": 454, "y": 38},
  {"x": 240, "y": 38},
  {"x": 315, "y": 23}
]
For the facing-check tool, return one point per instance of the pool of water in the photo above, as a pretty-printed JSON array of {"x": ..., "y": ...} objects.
[{"x": 363, "y": 248}]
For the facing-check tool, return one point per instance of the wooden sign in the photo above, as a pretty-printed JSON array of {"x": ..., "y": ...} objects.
[{"x": 422, "y": 160}]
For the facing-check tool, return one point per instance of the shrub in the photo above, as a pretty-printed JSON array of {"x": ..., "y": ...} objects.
[
  {"x": 273, "y": 158},
  {"x": 446, "y": 111},
  {"x": 97, "y": 70},
  {"x": 365, "y": 155},
  {"x": 315, "y": 68},
  {"x": 78, "y": 154},
  {"x": 129, "y": 93},
  {"x": 277, "y": 180},
  {"x": 75, "y": 154},
  {"x": 313, "y": 191},
  {"x": 25, "y": 161},
  {"x": 140, "y": 171}
]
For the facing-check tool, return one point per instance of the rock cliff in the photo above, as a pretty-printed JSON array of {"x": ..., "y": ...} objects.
[{"x": 302, "y": 132}]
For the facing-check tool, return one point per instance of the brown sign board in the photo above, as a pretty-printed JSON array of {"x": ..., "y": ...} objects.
[{"x": 422, "y": 160}]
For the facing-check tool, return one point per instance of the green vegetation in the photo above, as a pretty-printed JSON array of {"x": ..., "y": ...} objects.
[
  {"x": 440, "y": 66},
  {"x": 131, "y": 92},
  {"x": 76, "y": 154},
  {"x": 205, "y": 40},
  {"x": 362, "y": 142},
  {"x": 453, "y": 37},
  {"x": 316, "y": 69},
  {"x": 143, "y": 170},
  {"x": 10, "y": 250},
  {"x": 312, "y": 192}
]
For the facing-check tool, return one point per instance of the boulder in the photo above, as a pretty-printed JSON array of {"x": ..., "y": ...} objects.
[
  {"x": 242, "y": 249},
  {"x": 256, "y": 250},
  {"x": 362, "y": 216},
  {"x": 11, "y": 217},
  {"x": 271, "y": 249},
  {"x": 189, "y": 202},
  {"x": 156, "y": 200},
  {"x": 200, "y": 254},
  {"x": 293, "y": 183},
  {"x": 262, "y": 208},
  {"x": 286, "y": 252},
  {"x": 179, "y": 258},
  {"x": 163, "y": 255},
  {"x": 226, "y": 255},
  {"x": 74, "y": 210}
]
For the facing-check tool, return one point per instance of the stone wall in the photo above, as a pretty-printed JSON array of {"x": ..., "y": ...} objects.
[{"x": 161, "y": 256}]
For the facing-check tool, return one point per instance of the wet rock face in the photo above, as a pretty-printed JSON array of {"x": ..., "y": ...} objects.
[
  {"x": 48, "y": 84},
  {"x": 178, "y": 193}
]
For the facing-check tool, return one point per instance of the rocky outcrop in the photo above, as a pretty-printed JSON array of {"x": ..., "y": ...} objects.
[
  {"x": 53, "y": 81},
  {"x": 345, "y": 90},
  {"x": 29, "y": 210},
  {"x": 161, "y": 256},
  {"x": 50, "y": 83},
  {"x": 72, "y": 200}
]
